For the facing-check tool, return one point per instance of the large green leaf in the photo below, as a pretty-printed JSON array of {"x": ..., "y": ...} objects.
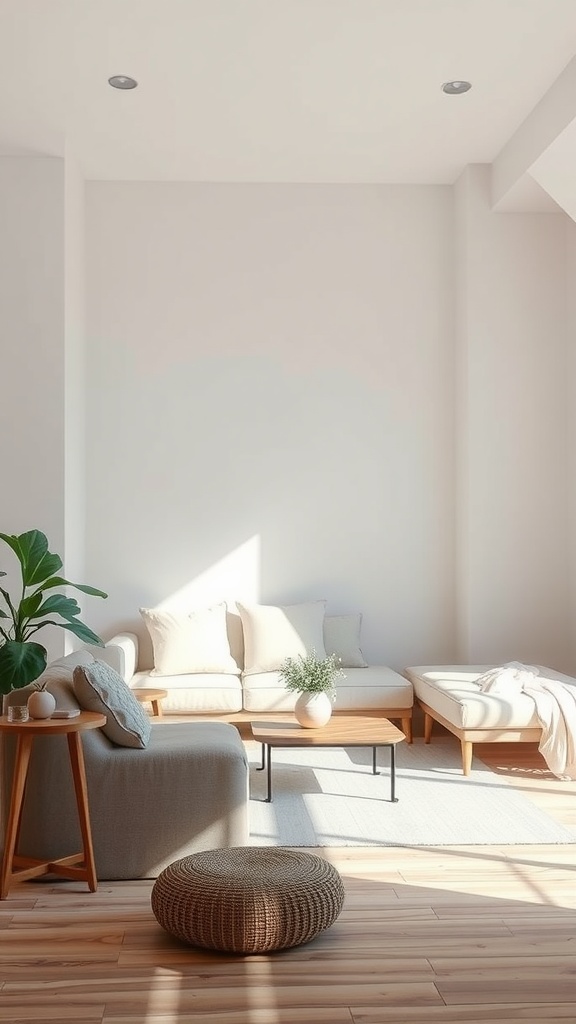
[
  {"x": 57, "y": 604},
  {"x": 31, "y": 549},
  {"x": 59, "y": 581},
  {"x": 20, "y": 664},
  {"x": 30, "y": 605},
  {"x": 83, "y": 633},
  {"x": 13, "y": 613}
]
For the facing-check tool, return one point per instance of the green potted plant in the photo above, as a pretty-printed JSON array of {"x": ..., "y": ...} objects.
[
  {"x": 314, "y": 679},
  {"x": 22, "y": 659}
]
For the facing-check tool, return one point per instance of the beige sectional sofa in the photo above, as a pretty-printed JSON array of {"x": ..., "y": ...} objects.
[
  {"x": 451, "y": 696},
  {"x": 248, "y": 645}
]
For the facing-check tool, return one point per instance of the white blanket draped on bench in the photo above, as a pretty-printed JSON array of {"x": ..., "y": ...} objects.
[{"x": 555, "y": 707}]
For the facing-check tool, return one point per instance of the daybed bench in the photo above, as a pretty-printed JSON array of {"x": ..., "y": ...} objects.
[
  {"x": 450, "y": 695},
  {"x": 225, "y": 661}
]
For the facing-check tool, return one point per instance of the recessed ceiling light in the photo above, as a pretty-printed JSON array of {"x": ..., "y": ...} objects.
[
  {"x": 122, "y": 82},
  {"x": 455, "y": 88}
]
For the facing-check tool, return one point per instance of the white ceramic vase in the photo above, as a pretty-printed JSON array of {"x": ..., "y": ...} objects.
[
  {"x": 41, "y": 704},
  {"x": 313, "y": 710}
]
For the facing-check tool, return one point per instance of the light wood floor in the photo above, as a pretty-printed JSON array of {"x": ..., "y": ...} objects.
[{"x": 447, "y": 934}]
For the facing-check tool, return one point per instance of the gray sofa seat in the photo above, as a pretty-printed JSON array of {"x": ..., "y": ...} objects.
[{"x": 186, "y": 791}]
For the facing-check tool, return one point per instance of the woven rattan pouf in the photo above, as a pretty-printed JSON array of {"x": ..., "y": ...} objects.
[{"x": 247, "y": 899}]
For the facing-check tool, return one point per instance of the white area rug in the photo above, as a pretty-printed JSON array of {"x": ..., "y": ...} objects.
[{"x": 329, "y": 797}]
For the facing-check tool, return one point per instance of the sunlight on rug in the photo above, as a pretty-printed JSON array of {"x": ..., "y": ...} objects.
[{"x": 329, "y": 797}]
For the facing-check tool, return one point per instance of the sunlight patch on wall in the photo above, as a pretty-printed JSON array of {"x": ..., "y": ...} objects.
[{"x": 235, "y": 577}]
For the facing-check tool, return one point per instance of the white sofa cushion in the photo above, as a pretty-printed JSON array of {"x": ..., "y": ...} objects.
[
  {"x": 375, "y": 688},
  {"x": 191, "y": 642},
  {"x": 195, "y": 694},
  {"x": 342, "y": 638},
  {"x": 453, "y": 692},
  {"x": 273, "y": 633}
]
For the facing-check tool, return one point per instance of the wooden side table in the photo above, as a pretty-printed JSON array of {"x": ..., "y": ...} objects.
[
  {"x": 145, "y": 694},
  {"x": 78, "y": 865}
]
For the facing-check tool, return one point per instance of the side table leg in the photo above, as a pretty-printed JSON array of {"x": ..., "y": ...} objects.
[
  {"x": 21, "y": 763},
  {"x": 81, "y": 788}
]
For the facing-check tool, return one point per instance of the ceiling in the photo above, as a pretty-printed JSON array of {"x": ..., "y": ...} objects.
[{"x": 276, "y": 90}]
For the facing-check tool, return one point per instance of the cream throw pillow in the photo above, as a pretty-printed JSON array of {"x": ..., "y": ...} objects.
[
  {"x": 189, "y": 643},
  {"x": 342, "y": 638},
  {"x": 273, "y": 633}
]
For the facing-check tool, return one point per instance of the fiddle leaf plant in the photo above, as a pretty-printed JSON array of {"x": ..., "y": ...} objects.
[{"x": 22, "y": 659}]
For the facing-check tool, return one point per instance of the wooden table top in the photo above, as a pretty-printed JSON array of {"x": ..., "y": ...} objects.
[
  {"x": 341, "y": 731},
  {"x": 55, "y": 726},
  {"x": 144, "y": 693}
]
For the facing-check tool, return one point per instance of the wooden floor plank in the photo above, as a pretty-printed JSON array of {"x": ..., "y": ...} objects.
[
  {"x": 492, "y": 1013},
  {"x": 252, "y": 1015}
]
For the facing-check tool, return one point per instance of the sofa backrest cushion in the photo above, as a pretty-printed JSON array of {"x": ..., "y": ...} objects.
[
  {"x": 273, "y": 633},
  {"x": 189, "y": 642},
  {"x": 98, "y": 687},
  {"x": 342, "y": 638}
]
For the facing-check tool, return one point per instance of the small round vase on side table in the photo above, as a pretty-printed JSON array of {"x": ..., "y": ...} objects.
[
  {"x": 313, "y": 710},
  {"x": 41, "y": 704}
]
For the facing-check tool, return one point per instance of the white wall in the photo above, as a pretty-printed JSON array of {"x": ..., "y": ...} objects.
[
  {"x": 270, "y": 402},
  {"x": 293, "y": 392},
  {"x": 32, "y": 357},
  {"x": 74, "y": 377},
  {"x": 513, "y": 397},
  {"x": 32, "y": 353},
  {"x": 571, "y": 464}
]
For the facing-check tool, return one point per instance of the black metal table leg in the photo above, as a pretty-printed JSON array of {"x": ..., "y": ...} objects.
[
  {"x": 267, "y": 764},
  {"x": 269, "y": 774},
  {"x": 393, "y": 797},
  {"x": 392, "y": 746}
]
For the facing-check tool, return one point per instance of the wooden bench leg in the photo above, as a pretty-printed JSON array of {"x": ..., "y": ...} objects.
[
  {"x": 467, "y": 747},
  {"x": 428, "y": 723}
]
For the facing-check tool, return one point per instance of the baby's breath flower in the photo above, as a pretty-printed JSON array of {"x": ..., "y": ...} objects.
[{"x": 309, "y": 674}]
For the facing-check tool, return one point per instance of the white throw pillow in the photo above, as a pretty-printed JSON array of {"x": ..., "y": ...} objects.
[
  {"x": 186, "y": 643},
  {"x": 273, "y": 633},
  {"x": 342, "y": 638}
]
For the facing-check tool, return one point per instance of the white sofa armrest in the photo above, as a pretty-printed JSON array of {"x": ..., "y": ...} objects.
[{"x": 121, "y": 653}]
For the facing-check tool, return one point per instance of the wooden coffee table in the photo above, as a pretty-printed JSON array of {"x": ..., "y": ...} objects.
[{"x": 341, "y": 731}]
